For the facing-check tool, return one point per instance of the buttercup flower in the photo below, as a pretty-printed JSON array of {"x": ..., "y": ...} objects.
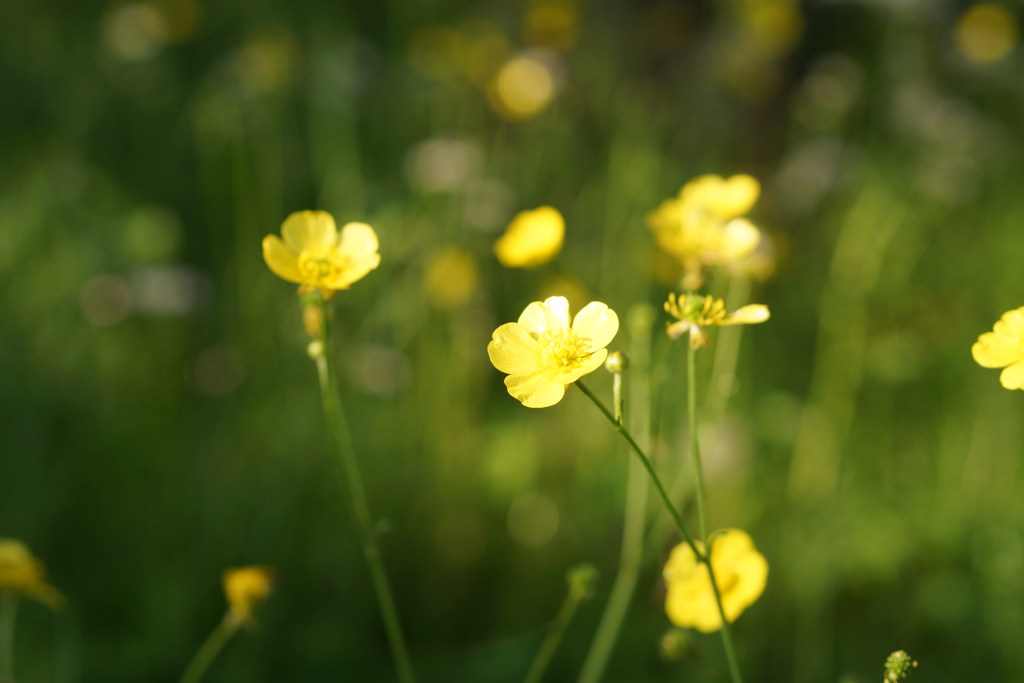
[
  {"x": 1003, "y": 347},
  {"x": 315, "y": 256},
  {"x": 740, "y": 571},
  {"x": 542, "y": 354},
  {"x": 703, "y": 226},
  {"x": 531, "y": 239},
  {"x": 24, "y": 574},
  {"x": 245, "y": 588},
  {"x": 694, "y": 312}
]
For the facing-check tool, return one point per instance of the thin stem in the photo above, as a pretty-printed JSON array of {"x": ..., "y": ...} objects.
[
  {"x": 355, "y": 496},
  {"x": 698, "y": 473},
  {"x": 209, "y": 650},
  {"x": 553, "y": 638},
  {"x": 691, "y": 377},
  {"x": 8, "y": 613},
  {"x": 617, "y": 396},
  {"x": 631, "y": 554},
  {"x": 676, "y": 519}
]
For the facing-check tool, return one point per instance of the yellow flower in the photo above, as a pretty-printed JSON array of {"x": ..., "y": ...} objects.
[
  {"x": 542, "y": 354},
  {"x": 531, "y": 239},
  {"x": 523, "y": 87},
  {"x": 985, "y": 33},
  {"x": 315, "y": 256},
  {"x": 245, "y": 588},
  {"x": 695, "y": 312},
  {"x": 703, "y": 226},
  {"x": 740, "y": 572},
  {"x": 1004, "y": 348},
  {"x": 24, "y": 574}
]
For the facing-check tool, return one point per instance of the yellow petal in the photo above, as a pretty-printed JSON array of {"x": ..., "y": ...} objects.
[
  {"x": 739, "y": 239},
  {"x": 596, "y": 322},
  {"x": 994, "y": 350},
  {"x": 512, "y": 350},
  {"x": 532, "y": 238},
  {"x": 734, "y": 557},
  {"x": 538, "y": 389},
  {"x": 553, "y": 314},
  {"x": 1013, "y": 376},
  {"x": 725, "y": 198},
  {"x": 690, "y": 602},
  {"x": 358, "y": 246},
  {"x": 1011, "y": 323},
  {"x": 748, "y": 315},
  {"x": 752, "y": 577},
  {"x": 595, "y": 361},
  {"x": 280, "y": 260},
  {"x": 314, "y": 230}
]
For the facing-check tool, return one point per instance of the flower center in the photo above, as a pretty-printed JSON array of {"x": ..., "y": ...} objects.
[
  {"x": 319, "y": 266},
  {"x": 562, "y": 350}
]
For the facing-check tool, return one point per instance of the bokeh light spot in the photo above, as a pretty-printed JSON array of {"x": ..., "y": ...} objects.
[
  {"x": 985, "y": 33},
  {"x": 218, "y": 370},
  {"x": 105, "y": 300},
  {"x": 523, "y": 88},
  {"x": 450, "y": 278},
  {"x": 533, "y": 519}
]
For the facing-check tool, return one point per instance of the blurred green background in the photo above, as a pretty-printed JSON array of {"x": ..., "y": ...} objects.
[{"x": 159, "y": 418}]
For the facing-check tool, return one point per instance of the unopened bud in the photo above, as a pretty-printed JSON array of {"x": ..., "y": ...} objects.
[
  {"x": 581, "y": 580},
  {"x": 617, "y": 363},
  {"x": 315, "y": 349},
  {"x": 313, "y": 320},
  {"x": 897, "y": 666},
  {"x": 674, "y": 645}
]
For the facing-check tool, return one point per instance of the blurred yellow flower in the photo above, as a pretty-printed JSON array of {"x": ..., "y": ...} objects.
[
  {"x": 740, "y": 572},
  {"x": 450, "y": 278},
  {"x": 775, "y": 25},
  {"x": 245, "y": 588},
  {"x": 531, "y": 239},
  {"x": 1004, "y": 348},
  {"x": 703, "y": 226},
  {"x": 552, "y": 23},
  {"x": 24, "y": 574},
  {"x": 315, "y": 256},
  {"x": 985, "y": 33},
  {"x": 523, "y": 87},
  {"x": 694, "y": 312},
  {"x": 542, "y": 354}
]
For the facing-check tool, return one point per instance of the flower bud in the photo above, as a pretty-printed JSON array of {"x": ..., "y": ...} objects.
[
  {"x": 581, "y": 580},
  {"x": 617, "y": 363},
  {"x": 315, "y": 349},
  {"x": 674, "y": 645},
  {"x": 897, "y": 666},
  {"x": 313, "y": 320}
]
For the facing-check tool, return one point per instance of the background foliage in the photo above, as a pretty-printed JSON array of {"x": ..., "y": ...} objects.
[{"x": 159, "y": 418}]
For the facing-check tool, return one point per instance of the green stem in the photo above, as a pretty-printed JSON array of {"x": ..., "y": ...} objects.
[
  {"x": 631, "y": 554},
  {"x": 673, "y": 513},
  {"x": 355, "y": 496},
  {"x": 209, "y": 650},
  {"x": 8, "y": 613},
  {"x": 698, "y": 472},
  {"x": 553, "y": 638},
  {"x": 727, "y": 350},
  {"x": 691, "y": 382}
]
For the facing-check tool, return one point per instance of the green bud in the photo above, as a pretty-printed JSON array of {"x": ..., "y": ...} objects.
[
  {"x": 581, "y": 580},
  {"x": 674, "y": 645},
  {"x": 897, "y": 666},
  {"x": 617, "y": 363}
]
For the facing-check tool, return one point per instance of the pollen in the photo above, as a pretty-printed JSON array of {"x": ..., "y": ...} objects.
[
  {"x": 562, "y": 349},
  {"x": 320, "y": 267}
]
